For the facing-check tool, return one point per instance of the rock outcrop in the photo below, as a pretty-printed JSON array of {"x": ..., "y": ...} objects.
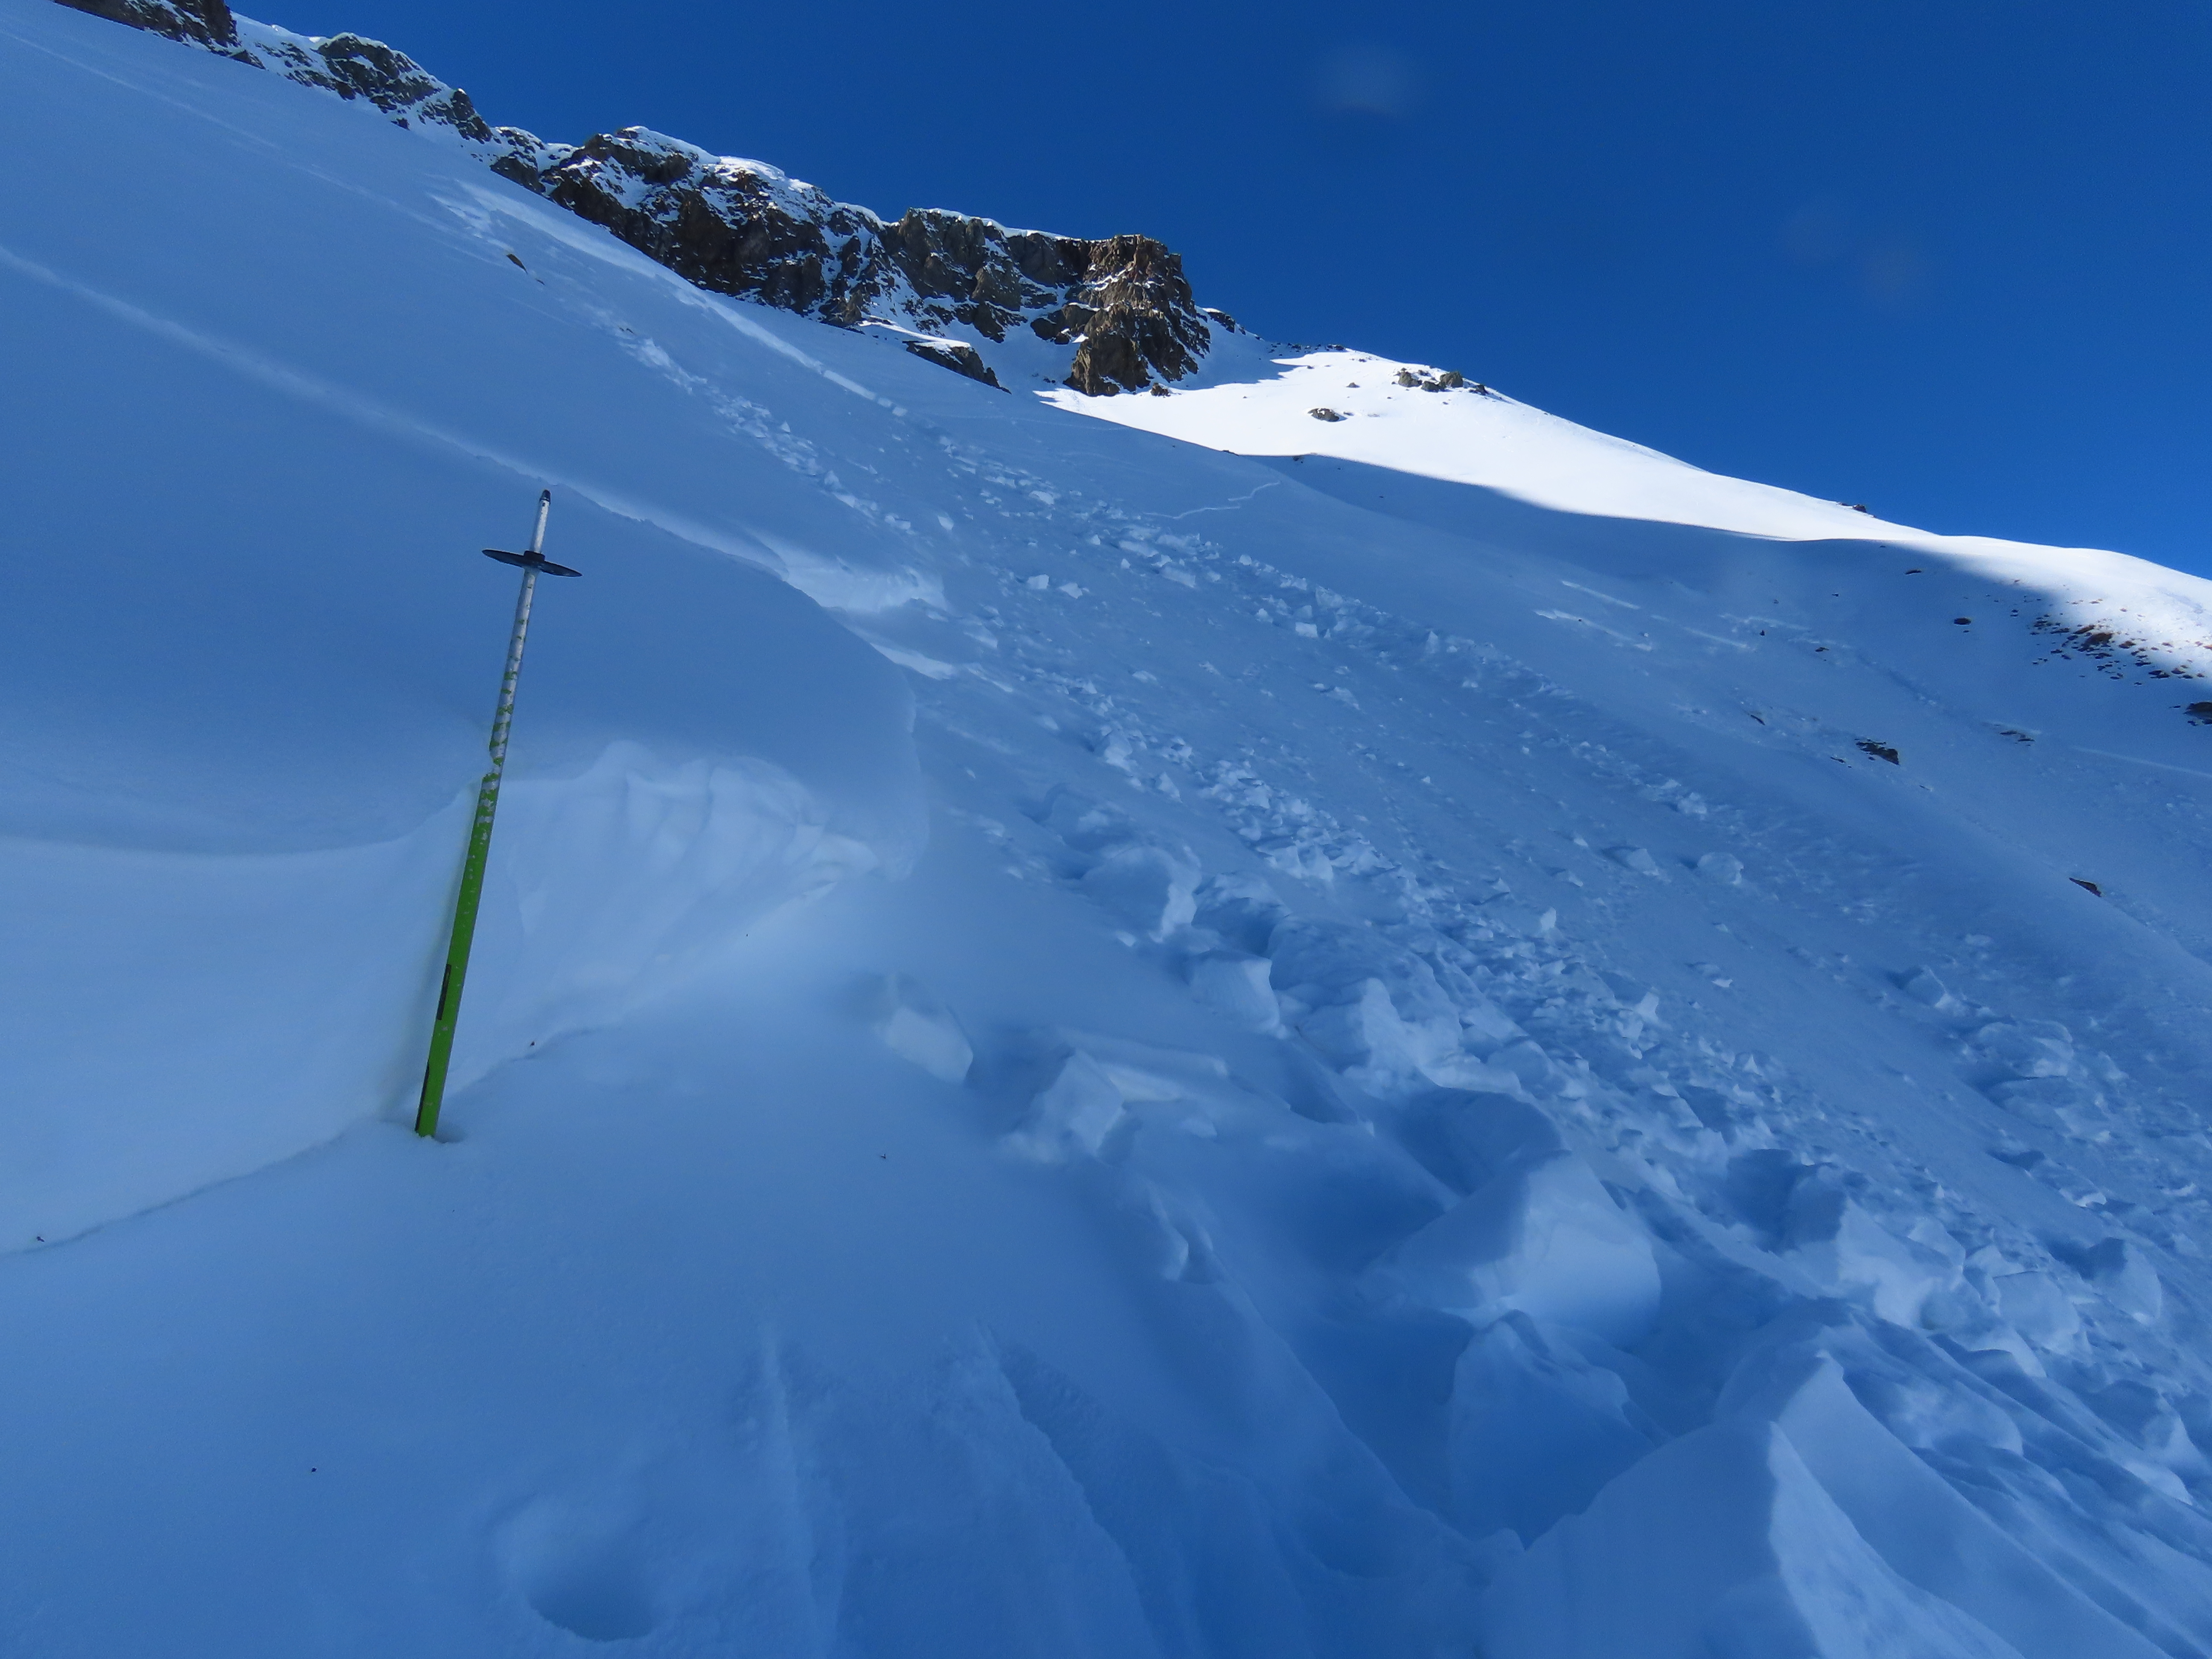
[
  {"x": 1120, "y": 304},
  {"x": 1131, "y": 317},
  {"x": 199, "y": 22}
]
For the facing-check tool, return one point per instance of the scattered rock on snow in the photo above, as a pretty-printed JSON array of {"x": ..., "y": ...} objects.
[{"x": 958, "y": 355}]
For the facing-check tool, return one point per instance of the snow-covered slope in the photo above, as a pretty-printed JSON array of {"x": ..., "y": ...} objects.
[{"x": 1478, "y": 1043}]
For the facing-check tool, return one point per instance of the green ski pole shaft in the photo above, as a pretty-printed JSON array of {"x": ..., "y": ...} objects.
[{"x": 472, "y": 867}]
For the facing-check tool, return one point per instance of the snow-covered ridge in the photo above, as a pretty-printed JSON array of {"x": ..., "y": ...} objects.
[{"x": 1102, "y": 316}]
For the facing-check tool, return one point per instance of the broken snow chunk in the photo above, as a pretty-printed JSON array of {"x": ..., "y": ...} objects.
[
  {"x": 1085, "y": 825},
  {"x": 1517, "y": 917},
  {"x": 1074, "y": 1113},
  {"x": 2064, "y": 1104},
  {"x": 1544, "y": 1238},
  {"x": 2035, "y": 1307},
  {"x": 1149, "y": 887},
  {"x": 1482, "y": 1021},
  {"x": 2032, "y": 1047},
  {"x": 918, "y": 1028},
  {"x": 1634, "y": 858},
  {"x": 1242, "y": 910},
  {"x": 1467, "y": 1138},
  {"x": 1370, "y": 1007},
  {"x": 1038, "y": 583},
  {"x": 1841, "y": 1242},
  {"x": 1635, "y": 996},
  {"x": 1722, "y": 868},
  {"x": 1922, "y": 986},
  {"x": 1538, "y": 1072},
  {"x": 1535, "y": 1431},
  {"x": 2117, "y": 1267},
  {"x": 1295, "y": 855},
  {"x": 1236, "y": 986}
]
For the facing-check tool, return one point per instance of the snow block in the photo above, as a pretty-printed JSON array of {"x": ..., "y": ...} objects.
[
  {"x": 1535, "y": 1431},
  {"x": 1242, "y": 910},
  {"x": 1148, "y": 887},
  {"x": 2034, "y": 1305},
  {"x": 1793, "y": 1525},
  {"x": 1543, "y": 1237},
  {"x": 1072, "y": 1114},
  {"x": 2117, "y": 1267},
  {"x": 1237, "y": 987},
  {"x": 1842, "y": 1244},
  {"x": 915, "y": 1026},
  {"x": 1722, "y": 869},
  {"x": 1370, "y": 1008},
  {"x": 1467, "y": 1138},
  {"x": 1518, "y": 918}
]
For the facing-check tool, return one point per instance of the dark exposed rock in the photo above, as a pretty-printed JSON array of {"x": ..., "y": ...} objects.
[
  {"x": 202, "y": 22},
  {"x": 726, "y": 226},
  {"x": 1136, "y": 319},
  {"x": 354, "y": 67},
  {"x": 1879, "y": 751},
  {"x": 743, "y": 229},
  {"x": 1449, "y": 380},
  {"x": 1328, "y": 415},
  {"x": 958, "y": 356}
]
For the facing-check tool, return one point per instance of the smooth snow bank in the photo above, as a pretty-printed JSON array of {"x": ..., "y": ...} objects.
[
  {"x": 275, "y": 999},
  {"x": 251, "y": 649}
]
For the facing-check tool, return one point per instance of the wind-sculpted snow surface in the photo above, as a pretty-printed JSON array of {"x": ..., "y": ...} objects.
[{"x": 1451, "y": 1076}]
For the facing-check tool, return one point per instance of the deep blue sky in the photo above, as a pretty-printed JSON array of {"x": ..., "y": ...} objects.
[{"x": 1949, "y": 258}]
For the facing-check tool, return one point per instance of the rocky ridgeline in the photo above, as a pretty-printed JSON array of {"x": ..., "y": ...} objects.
[{"x": 744, "y": 229}]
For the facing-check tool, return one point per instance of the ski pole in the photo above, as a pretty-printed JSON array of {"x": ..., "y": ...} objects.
[{"x": 473, "y": 867}]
